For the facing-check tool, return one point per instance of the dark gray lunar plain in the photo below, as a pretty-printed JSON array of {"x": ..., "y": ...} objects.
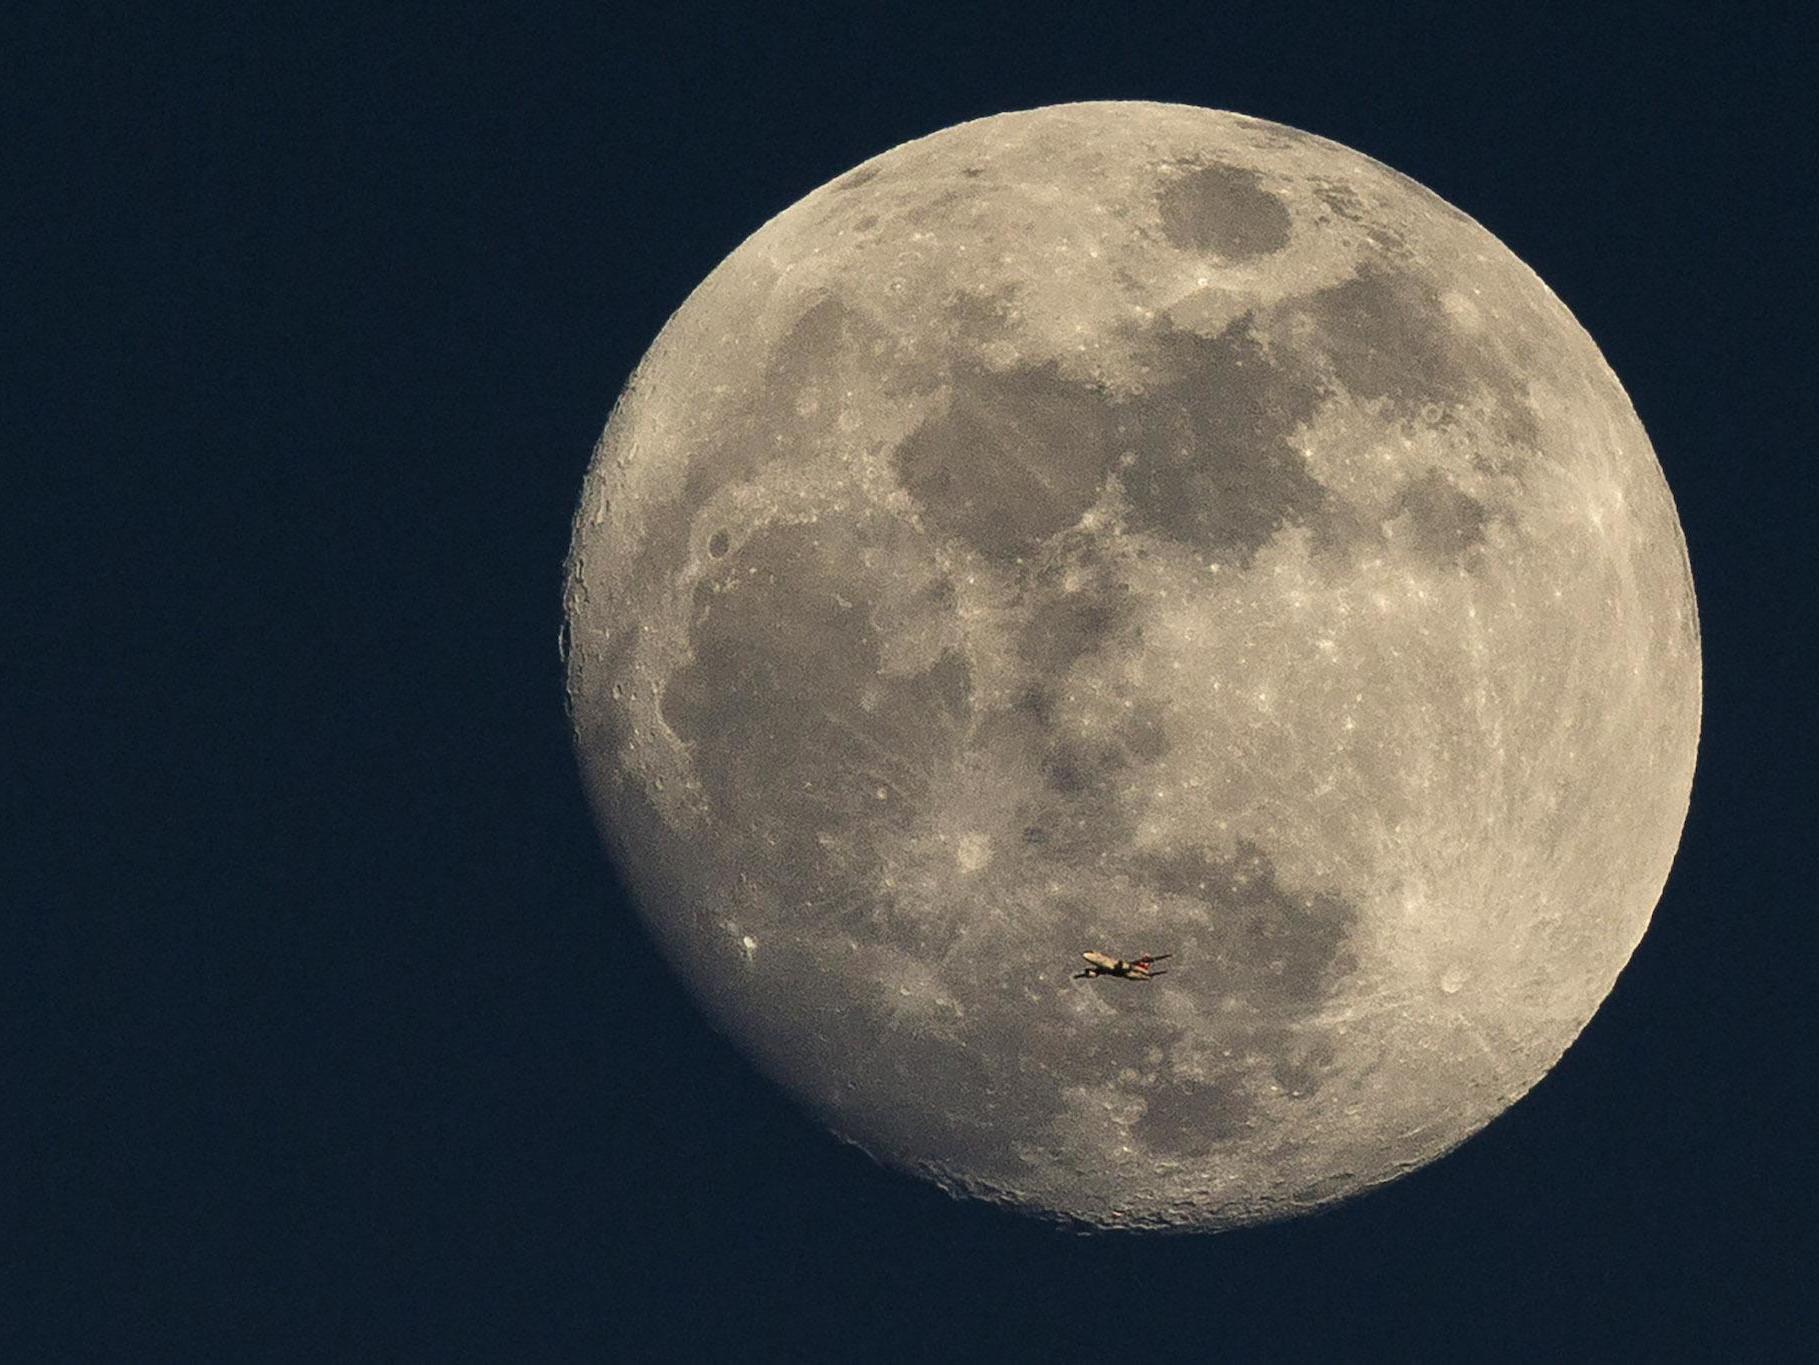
[{"x": 1134, "y": 527}]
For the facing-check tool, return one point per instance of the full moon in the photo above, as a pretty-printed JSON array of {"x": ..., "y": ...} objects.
[{"x": 1135, "y": 528}]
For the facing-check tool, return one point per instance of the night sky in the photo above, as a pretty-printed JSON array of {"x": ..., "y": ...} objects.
[{"x": 336, "y": 1038}]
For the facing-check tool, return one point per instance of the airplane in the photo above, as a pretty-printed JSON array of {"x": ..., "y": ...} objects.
[{"x": 1099, "y": 964}]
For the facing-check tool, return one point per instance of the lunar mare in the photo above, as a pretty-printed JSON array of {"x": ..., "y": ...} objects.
[{"x": 1135, "y": 527}]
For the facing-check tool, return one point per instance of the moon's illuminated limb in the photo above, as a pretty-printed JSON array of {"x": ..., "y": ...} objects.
[{"x": 1135, "y": 527}]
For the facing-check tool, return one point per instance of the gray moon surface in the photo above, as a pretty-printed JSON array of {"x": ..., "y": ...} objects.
[{"x": 1134, "y": 527}]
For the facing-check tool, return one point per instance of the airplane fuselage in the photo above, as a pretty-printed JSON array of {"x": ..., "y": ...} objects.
[{"x": 1103, "y": 964}]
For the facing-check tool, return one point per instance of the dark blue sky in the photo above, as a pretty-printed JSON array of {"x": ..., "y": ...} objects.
[{"x": 328, "y": 1050}]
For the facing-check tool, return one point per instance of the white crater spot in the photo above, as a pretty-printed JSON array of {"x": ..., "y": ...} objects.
[{"x": 973, "y": 852}]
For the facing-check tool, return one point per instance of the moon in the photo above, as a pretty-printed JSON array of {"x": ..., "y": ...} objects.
[{"x": 1134, "y": 527}]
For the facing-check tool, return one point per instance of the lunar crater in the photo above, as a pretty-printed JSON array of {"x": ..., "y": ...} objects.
[{"x": 1225, "y": 210}]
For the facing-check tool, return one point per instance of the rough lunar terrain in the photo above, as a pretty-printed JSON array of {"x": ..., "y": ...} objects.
[{"x": 1133, "y": 527}]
